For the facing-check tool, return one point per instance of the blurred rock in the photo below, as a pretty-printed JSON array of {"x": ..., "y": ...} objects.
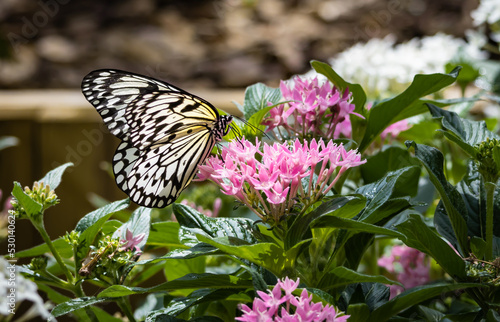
[
  {"x": 208, "y": 42},
  {"x": 57, "y": 49}
]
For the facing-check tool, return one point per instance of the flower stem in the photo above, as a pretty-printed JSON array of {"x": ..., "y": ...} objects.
[
  {"x": 41, "y": 229},
  {"x": 490, "y": 193}
]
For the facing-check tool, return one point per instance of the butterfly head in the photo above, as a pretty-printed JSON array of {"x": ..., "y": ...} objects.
[{"x": 222, "y": 127}]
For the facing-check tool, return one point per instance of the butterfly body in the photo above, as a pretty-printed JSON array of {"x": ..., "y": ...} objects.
[{"x": 166, "y": 133}]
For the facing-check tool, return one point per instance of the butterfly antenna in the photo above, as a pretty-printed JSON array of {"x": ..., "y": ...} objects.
[{"x": 253, "y": 126}]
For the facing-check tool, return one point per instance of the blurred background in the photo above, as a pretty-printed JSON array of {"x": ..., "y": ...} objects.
[{"x": 211, "y": 48}]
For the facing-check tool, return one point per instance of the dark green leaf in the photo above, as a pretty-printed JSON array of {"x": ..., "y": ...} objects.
[
  {"x": 396, "y": 184},
  {"x": 463, "y": 132},
  {"x": 341, "y": 276},
  {"x": 390, "y": 159},
  {"x": 206, "y": 280},
  {"x": 75, "y": 304},
  {"x": 353, "y": 225},
  {"x": 412, "y": 297},
  {"x": 432, "y": 159},
  {"x": 421, "y": 237}
]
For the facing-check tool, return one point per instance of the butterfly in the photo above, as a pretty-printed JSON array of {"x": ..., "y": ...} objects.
[{"x": 166, "y": 133}]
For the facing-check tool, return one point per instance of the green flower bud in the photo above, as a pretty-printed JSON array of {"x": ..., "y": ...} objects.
[{"x": 39, "y": 263}]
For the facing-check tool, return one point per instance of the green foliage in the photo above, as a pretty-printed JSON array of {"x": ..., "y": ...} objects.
[{"x": 200, "y": 268}]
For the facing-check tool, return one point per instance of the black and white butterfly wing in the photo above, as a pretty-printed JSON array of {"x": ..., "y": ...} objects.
[{"x": 166, "y": 133}]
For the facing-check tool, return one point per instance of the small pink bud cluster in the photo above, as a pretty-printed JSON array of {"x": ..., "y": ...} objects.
[
  {"x": 414, "y": 269},
  {"x": 275, "y": 306},
  {"x": 131, "y": 242},
  {"x": 269, "y": 182},
  {"x": 317, "y": 110}
]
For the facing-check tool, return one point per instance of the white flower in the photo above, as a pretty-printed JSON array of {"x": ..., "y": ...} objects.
[
  {"x": 24, "y": 289},
  {"x": 383, "y": 68},
  {"x": 488, "y": 11}
]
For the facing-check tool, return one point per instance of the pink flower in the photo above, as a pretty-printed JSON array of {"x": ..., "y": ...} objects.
[
  {"x": 412, "y": 267},
  {"x": 130, "y": 242},
  {"x": 394, "y": 129},
  {"x": 320, "y": 110},
  {"x": 269, "y": 182},
  {"x": 273, "y": 306}
]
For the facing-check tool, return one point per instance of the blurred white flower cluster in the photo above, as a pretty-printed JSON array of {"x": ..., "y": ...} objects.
[
  {"x": 14, "y": 289},
  {"x": 383, "y": 68},
  {"x": 488, "y": 12}
]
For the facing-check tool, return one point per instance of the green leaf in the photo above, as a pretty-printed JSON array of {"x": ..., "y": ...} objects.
[
  {"x": 267, "y": 255},
  {"x": 164, "y": 234},
  {"x": 75, "y": 304},
  {"x": 30, "y": 206},
  {"x": 353, "y": 225},
  {"x": 92, "y": 222},
  {"x": 432, "y": 159},
  {"x": 176, "y": 268},
  {"x": 387, "y": 112},
  {"x": 64, "y": 249},
  {"x": 257, "y": 97},
  {"x": 359, "y": 312},
  {"x": 421, "y": 237},
  {"x": 53, "y": 177},
  {"x": 412, "y": 297},
  {"x": 341, "y": 276},
  {"x": 205, "y": 280},
  {"x": 420, "y": 106}
]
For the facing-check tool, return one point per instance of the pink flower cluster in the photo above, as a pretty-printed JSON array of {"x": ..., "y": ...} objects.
[
  {"x": 267, "y": 307},
  {"x": 320, "y": 110},
  {"x": 413, "y": 271},
  {"x": 270, "y": 182}
]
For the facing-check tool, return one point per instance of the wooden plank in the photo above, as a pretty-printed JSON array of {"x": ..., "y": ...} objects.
[{"x": 54, "y": 105}]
